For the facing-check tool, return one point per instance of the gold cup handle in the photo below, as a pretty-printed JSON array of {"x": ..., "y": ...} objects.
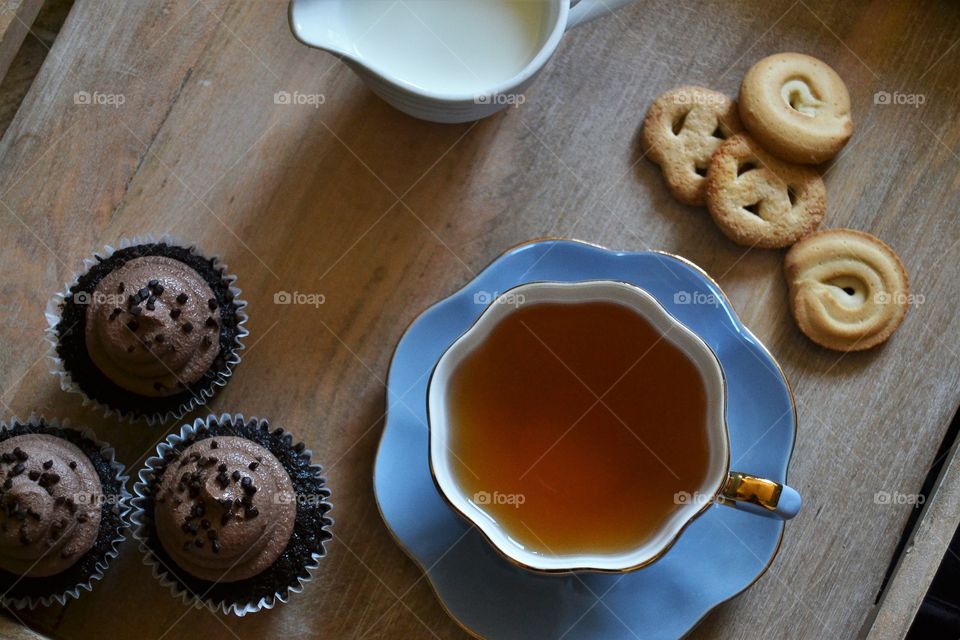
[{"x": 766, "y": 496}]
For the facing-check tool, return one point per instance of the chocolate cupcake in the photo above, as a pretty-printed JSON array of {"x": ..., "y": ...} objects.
[
  {"x": 150, "y": 330},
  {"x": 63, "y": 499},
  {"x": 232, "y": 514}
]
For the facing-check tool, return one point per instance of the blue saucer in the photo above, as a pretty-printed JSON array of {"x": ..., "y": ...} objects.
[{"x": 719, "y": 555}]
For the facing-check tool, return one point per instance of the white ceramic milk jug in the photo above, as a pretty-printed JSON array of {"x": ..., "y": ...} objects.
[{"x": 443, "y": 60}]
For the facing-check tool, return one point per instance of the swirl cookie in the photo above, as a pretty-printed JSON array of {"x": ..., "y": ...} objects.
[
  {"x": 682, "y": 129},
  {"x": 760, "y": 201},
  {"x": 848, "y": 290},
  {"x": 797, "y": 107}
]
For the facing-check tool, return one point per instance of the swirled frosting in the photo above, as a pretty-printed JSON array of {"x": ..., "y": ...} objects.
[
  {"x": 152, "y": 326},
  {"x": 50, "y": 499},
  {"x": 225, "y": 509}
]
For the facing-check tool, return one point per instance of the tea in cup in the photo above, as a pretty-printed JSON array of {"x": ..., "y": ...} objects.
[{"x": 580, "y": 426}]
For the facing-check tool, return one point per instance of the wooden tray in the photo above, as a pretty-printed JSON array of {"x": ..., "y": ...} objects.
[{"x": 383, "y": 215}]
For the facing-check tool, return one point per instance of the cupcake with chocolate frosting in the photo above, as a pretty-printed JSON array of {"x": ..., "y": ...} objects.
[
  {"x": 233, "y": 510},
  {"x": 149, "y": 330},
  {"x": 62, "y": 503}
]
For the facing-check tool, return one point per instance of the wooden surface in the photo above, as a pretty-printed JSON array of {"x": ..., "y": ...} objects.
[
  {"x": 384, "y": 215},
  {"x": 16, "y": 18},
  {"x": 927, "y": 546},
  {"x": 26, "y": 63}
]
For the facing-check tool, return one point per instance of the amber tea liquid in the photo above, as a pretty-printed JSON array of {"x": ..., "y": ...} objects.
[{"x": 561, "y": 472}]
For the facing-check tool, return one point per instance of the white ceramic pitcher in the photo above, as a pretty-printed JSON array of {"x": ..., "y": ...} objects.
[{"x": 322, "y": 24}]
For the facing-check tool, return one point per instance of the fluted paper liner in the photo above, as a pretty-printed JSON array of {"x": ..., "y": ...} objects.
[
  {"x": 169, "y": 576},
  {"x": 43, "y": 425},
  {"x": 68, "y": 384}
]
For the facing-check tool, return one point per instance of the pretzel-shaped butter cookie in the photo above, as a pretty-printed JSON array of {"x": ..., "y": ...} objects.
[
  {"x": 682, "y": 129},
  {"x": 760, "y": 201},
  {"x": 797, "y": 107},
  {"x": 848, "y": 289}
]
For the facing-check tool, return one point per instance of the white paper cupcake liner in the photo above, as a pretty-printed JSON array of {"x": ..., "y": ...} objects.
[
  {"x": 199, "y": 399},
  {"x": 162, "y": 572},
  {"x": 124, "y": 507}
]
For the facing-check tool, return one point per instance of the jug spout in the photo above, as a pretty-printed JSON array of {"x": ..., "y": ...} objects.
[{"x": 319, "y": 24}]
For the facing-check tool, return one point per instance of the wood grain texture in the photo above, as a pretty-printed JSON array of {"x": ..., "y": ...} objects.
[
  {"x": 25, "y": 66},
  {"x": 927, "y": 547},
  {"x": 13, "y": 629},
  {"x": 384, "y": 215},
  {"x": 16, "y": 16}
]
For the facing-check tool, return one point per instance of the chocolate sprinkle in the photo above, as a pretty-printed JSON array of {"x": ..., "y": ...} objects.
[
  {"x": 307, "y": 538},
  {"x": 111, "y": 525},
  {"x": 182, "y": 298},
  {"x": 49, "y": 479}
]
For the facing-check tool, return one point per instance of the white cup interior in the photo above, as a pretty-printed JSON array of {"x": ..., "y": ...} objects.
[{"x": 442, "y": 460}]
